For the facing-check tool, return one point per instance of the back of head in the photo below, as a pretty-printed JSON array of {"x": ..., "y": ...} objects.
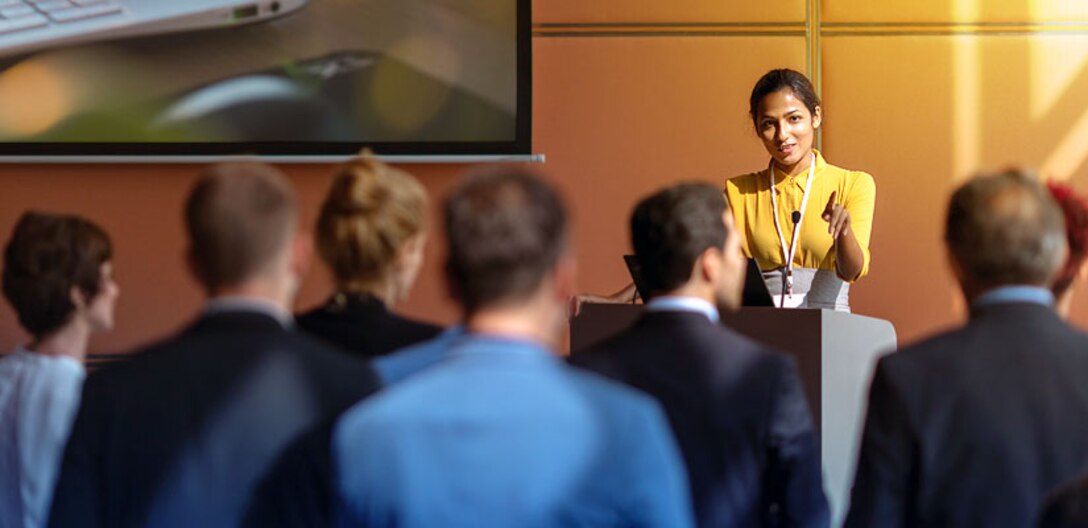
[
  {"x": 371, "y": 210},
  {"x": 1005, "y": 229},
  {"x": 47, "y": 256},
  {"x": 505, "y": 229},
  {"x": 671, "y": 228},
  {"x": 240, "y": 217}
]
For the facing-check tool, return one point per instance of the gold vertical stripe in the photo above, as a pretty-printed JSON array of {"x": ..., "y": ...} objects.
[{"x": 814, "y": 58}]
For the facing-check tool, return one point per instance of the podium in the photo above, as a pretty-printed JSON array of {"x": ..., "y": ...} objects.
[{"x": 835, "y": 354}]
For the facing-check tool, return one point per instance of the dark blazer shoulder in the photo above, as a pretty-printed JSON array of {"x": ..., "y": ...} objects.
[
  {"x": 364, "y": 327},
  {"x": 694, "y": 330}
]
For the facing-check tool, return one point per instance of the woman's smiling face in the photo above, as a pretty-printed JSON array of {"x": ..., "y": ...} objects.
[{"x": 787, "y": 128}]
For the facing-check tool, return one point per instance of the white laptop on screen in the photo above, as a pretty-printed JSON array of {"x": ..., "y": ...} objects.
[{"x": 32, "y": 25}]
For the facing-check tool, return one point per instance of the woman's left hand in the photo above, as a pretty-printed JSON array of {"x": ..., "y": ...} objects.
[{"x": 837, "y": 218}]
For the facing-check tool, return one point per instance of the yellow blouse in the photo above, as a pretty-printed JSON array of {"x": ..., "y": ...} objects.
[{"x": 749, "y": 196}]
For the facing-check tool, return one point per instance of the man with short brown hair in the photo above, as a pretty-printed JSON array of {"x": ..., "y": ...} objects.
[{"x": 181, "y": 433}]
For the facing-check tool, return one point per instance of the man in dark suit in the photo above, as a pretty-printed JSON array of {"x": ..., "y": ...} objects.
[
  {"x": 180, "y": 433},
  {"x": 737, "y": 408},
  {"x": 974, "y": 426}
]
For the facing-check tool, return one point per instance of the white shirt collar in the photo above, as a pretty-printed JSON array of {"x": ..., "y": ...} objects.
[
  {"x": 676, "y": 303},
  {"x": 239, "y": 303}
]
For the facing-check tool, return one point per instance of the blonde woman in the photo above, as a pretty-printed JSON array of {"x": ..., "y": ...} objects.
[{"x": 370, "y": 234}]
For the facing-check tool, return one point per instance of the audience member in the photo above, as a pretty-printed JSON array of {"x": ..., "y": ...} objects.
[
  {"x": 58, "y": 278},
  {"x": 974, "y": 426},
  {"x": 737, "y": 408},
  {"x": 1075, "y": 209},
  {"x": 179, "y": 434},
  {"x": 370, "y": 233},
  {"x": 501, "y": 432}
]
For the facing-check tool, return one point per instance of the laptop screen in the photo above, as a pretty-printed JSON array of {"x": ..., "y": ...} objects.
[{"x": 755, "y": 289}]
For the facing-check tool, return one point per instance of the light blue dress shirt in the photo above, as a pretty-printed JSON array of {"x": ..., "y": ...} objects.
[
  {"x": 503, "y": 434},
  {"x": 39, "y": 396},
  {"x": 395, "y": 367},
  {"x": 1009, "y": 294},
  {"x": 675, "y": 303}
]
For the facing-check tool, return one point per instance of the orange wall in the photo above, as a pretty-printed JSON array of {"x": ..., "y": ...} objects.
[{"x": 630, "y": 96}]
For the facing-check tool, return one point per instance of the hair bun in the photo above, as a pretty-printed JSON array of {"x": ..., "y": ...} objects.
[{"x": 359, "y": 191}]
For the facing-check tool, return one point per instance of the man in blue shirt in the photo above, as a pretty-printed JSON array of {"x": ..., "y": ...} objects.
[
  {"x": 974, "y": 426},
  {"x": 500, "y": 432}
]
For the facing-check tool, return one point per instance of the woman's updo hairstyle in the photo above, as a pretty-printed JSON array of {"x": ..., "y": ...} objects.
[
  {"x": 371, "y": 210},
  {"x": 781, "y": 79}
]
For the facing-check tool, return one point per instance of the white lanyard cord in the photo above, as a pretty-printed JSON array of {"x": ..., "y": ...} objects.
[{"x": 788, "y": 254}]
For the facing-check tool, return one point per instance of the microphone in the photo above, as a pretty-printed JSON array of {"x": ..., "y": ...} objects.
[{"x": 795, "y": 216}]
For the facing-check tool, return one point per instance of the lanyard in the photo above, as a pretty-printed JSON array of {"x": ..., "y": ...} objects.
[{"x": 788, "y": 254}]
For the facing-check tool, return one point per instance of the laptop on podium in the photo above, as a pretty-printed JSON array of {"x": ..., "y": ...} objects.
[{"x": 755, "y": 290}]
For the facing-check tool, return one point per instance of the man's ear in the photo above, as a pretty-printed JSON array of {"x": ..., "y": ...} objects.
[
  {"x": 967, "y": 286},
  {"x": 566, "y": 277},
  {"x": 192, "y": 267},
  {"x": 79, "y": 300},
  {"x": 302, "y": 253},
  {"x": 709, "y": 264},
  {"x": 1082, "y": 272}
]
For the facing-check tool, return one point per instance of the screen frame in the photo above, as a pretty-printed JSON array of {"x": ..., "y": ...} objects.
[{"x": 519, "y": 148}]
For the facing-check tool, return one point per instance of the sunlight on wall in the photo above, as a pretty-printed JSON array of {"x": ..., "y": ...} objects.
[
  {"x": 966, "y": 129},
  {"x": 1057, "y": 64}
]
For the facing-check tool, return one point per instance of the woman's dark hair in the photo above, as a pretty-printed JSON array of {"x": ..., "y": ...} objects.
[
  {"x": 782, "y": 79},
  {"x": 46, "y": 257}
]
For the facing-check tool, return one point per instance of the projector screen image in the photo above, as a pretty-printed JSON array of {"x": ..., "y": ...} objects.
[{"x": 272, "y": 77}]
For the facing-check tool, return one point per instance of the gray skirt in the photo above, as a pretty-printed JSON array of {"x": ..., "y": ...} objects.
[{"x": 821, "y": 288}]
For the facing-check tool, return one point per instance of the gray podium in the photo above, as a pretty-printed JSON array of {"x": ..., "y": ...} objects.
[{"x": 835, "y": 354}]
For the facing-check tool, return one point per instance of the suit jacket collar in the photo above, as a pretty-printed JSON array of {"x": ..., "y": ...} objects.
[
  {"x": 674, "y": 317},
  {"x": 238, "y": 321}
]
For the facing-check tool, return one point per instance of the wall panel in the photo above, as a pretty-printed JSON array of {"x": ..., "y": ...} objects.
[
  {"x": 954, "y": 11},
  {"x": 924, "y": 112},
  {"x": 649, "y": 11},
  {"x": 620, "y": 117}
]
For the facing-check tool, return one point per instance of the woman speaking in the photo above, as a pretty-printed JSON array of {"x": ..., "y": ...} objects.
[{"x": 805, "y": 222}]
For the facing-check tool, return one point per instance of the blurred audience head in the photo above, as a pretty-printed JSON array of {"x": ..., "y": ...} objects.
[
  {"x": 1004, "y": 229},
  {"x": 1074, "y": 208},
  {"x": 507, "y": 236},
  {"x": 242, "y": 221},
  {"x": 370, "y": 231},
  {"x": 685, "y": 243},
  {"x": 58, "y": 268}
]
